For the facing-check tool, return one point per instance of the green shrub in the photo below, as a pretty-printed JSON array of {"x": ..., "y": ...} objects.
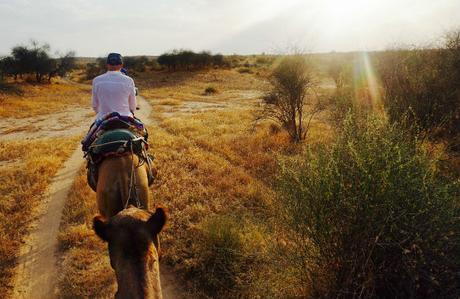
[
  {"x": 135, "y": 63},
  {"x": 423, "y": 84},
  {"x": 292, "y": 83},
  {"x": 189, "y": 60},
  {"x": 230, "y": 251},
  {"x": 93, "y": 70},
  {"x": 371, "y": 217}
]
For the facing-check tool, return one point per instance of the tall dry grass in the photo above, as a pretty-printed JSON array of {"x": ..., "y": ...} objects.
[
  {"x": 26, "y": 168},
  {"x": 85, "y": 270},
  {"x": 42, "y": 99}
]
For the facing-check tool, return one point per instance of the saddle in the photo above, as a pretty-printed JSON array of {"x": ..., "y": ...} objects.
[{"x": 115, "y": 135}]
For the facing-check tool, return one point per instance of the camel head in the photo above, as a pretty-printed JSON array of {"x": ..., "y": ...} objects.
[{"x": 132, "y": 237}]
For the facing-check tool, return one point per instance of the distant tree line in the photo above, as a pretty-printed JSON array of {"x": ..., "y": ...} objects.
[
  {"x": 189, "y": 60},
  {"x": 37, "y": 61},
  {"x": 131, "y": 63}
]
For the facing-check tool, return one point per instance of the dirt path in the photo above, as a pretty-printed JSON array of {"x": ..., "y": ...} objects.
[
  {"x": 36, "y": 276},
  {"x": 37, "y": 271}
]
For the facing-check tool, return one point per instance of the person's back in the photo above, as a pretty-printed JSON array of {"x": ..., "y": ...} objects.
[{"x": 113, "y": 91}]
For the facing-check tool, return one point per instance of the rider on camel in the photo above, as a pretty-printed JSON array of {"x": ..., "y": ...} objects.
[
  {"x": 113, "y": 91},
  {"x": 114, "y": 101}
]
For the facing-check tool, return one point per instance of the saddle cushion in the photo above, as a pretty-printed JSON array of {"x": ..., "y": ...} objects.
[
  {"x": 116, "y": 141},
  {"x": 113, "y": 121}
]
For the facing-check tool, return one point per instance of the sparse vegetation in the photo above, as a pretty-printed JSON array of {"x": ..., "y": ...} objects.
[
  {"x": 245, "y": 70},
  {"x": 230, "y": 253},
  {"x": 423, "y": 85},
  {"x": 85, "y": 270},
  {"x": 363, "y": 209},
  {"x": 25, "y": 100},
  {"x": 371, "y": 217},
  {"x": 37, "y": 61},
  {"x": 292, "y": 82},
  {"x": 189, "y": 60},
  {"x": 27, "y": 168},
  {"x": 210, "y": 90}
]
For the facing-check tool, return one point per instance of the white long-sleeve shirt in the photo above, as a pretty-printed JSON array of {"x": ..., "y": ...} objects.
[{"x": 113, "y": 92}]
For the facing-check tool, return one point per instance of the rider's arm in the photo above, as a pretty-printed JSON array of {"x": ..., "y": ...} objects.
[
  {"x": 132, "y": 98},
  {"x": 94, "y": 99}
]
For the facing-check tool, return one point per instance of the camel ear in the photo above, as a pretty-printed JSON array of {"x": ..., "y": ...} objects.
[
  {"x": 157, "y": 221},
  {"x": 100, "y": 226}
]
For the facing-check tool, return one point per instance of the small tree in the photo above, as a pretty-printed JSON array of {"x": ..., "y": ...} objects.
[{"x": 292, "y": 81}]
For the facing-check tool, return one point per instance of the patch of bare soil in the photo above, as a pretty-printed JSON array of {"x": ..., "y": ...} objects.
[
  {"x": 238, "y": 100},
  {"x": 70, "y": 122}
]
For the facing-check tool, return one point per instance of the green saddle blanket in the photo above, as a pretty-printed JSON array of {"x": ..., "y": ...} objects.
[{"x": 117, "y": 141}]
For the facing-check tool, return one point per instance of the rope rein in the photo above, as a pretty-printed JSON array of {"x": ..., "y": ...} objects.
[
  {"x": 132, "y": 178},
  {"x": 132, "y": 182}
]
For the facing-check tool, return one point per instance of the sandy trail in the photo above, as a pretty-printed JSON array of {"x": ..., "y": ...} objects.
[
  {"x": 37, "y": 270},
  {"x": 37, "y": 275}
]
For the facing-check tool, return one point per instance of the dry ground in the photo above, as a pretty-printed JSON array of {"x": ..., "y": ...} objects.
[
  {"x": 42, "y": 99},
  {"x": 26, "y": 168},
  {"x": 212, "y": 158},
  {"x": 28, "y": 165}
]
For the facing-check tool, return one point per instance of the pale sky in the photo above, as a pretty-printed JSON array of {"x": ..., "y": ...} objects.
[{"x": 151, "y": 27}]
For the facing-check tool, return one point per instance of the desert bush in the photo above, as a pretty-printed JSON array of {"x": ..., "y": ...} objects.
[
  {"x": 340, "y": 71},
  {"x": 229, "y": 251},
  {"x": 210, "y": 90},
  {"x": 245, "y": 70},
  {"x": 189, "y": 60},
  {"x": 92, "y": 71},
  {"x": 424, "y": 85},
  {"x": 264, "y": 59},
  {"x": 372, "y": 217},
  {"x": 136, "y": 63},
  {"x": 344, "y": 102},
  {"x": 291, "y": 80}
]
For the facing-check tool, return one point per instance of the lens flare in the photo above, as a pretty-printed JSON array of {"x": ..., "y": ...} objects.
[{"x": 365, "y": 81}]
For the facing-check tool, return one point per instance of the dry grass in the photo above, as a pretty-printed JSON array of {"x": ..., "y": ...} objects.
[
  {"x": 210, "y": 162},
  {"x": 26, "y": 168},
  {"x": 42, "y": 99},
  {"x": 85, "y": 270},
  {"x": 189, "y": 86},
  {"x": 215, "y": 162}
]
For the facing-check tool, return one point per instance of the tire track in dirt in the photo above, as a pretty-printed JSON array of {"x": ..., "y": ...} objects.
[{"x": 36, "y": 274}]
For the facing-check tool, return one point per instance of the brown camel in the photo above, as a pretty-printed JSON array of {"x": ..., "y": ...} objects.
[
  {"x": 134, "y": 257},
  {"x": 112, "y": 190},
  {"x": 132, "y": 232}
]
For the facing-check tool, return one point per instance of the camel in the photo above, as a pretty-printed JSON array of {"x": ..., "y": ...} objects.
[
  {"x": 129, "y": 229},
  {"x": 113, "y": 185}
]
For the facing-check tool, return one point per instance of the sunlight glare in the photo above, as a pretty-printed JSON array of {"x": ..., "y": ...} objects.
[
  {"x": 341, "y": 16},
  {"x": 365, "y": 82}
]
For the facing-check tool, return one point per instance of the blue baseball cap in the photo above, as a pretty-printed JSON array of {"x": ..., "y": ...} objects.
[{"x": 114, "y": 59}]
